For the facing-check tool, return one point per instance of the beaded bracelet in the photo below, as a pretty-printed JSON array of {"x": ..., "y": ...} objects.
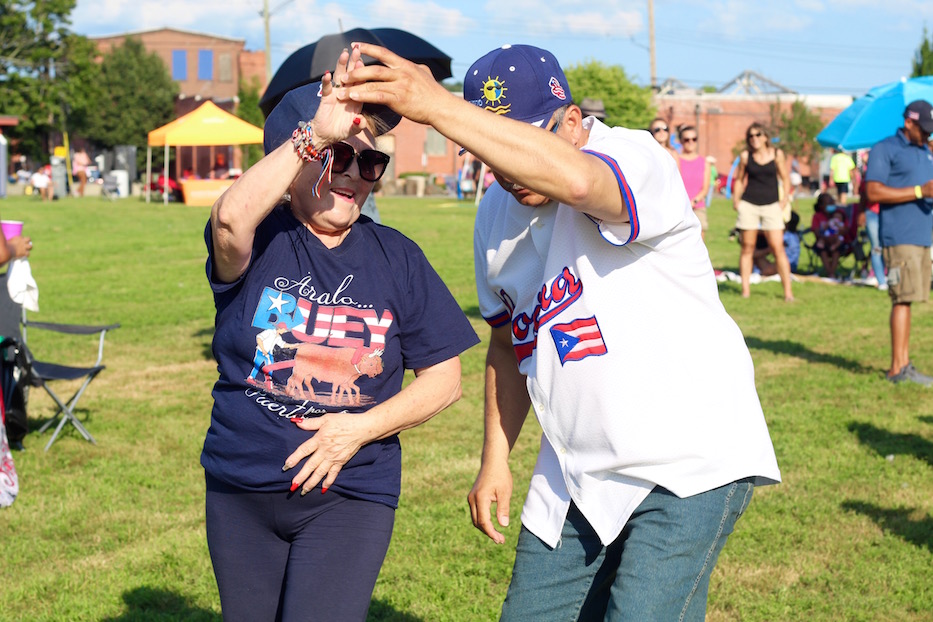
[{"x": 304, "y": 147}]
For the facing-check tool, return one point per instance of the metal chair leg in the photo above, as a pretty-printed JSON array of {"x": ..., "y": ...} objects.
[{"x": 66, "y": 409}]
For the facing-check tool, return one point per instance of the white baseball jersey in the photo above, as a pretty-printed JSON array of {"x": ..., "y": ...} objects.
[{"x": 637, "y": 374}]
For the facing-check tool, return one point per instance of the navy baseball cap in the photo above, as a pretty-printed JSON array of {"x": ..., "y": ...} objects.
[
  {"x": 519, "y": 81},
  {"x": 300, "y": 104},
  {"x": 922, "y": 112}
]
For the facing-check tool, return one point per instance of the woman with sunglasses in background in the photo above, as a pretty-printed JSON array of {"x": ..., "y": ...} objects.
[
  {"x": 662, "y": 133},
  {"x": 319, "y": 312},
  {"x": 757, "y": 197},
  {"x": 695, "y": 172}
]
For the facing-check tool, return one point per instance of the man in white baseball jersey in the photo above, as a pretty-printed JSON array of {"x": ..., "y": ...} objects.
[{"x": 606, "y": 319}]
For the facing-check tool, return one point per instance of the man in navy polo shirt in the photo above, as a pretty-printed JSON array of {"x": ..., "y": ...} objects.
[{"x": 900, "y": 179}]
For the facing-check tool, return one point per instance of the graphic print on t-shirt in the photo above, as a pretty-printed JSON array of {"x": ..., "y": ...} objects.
[{"x": 335, "y": 340}]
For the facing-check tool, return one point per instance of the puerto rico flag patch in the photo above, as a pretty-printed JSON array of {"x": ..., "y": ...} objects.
[{"x": 578, "y": 339}]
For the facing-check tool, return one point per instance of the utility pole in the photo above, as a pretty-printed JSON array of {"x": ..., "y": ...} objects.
[
  {"x": 651, "y": 50},
  {"x": 265, "y": 24}
]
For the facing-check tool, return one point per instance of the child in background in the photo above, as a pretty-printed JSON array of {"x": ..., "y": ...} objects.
[
  {"x": 830, "y": 226},
  {"x": 792, "y": 240}
]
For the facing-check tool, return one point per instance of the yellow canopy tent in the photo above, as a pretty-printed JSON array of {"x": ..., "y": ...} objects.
[{"x": 204, "y": 126}]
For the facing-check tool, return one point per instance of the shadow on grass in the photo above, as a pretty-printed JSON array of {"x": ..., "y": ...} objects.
[
  {"x": 145, "y": 604},
  {"x": 926, "y": 419},
  {"x": 794, "y": 348},
  {"x": 890, "y": 443},
  {"x": 382, "y": 612},
  {"x": 68, "y": 430},
  {"x": 206, "y": 337},
  {"x": 898, "y": 522}
]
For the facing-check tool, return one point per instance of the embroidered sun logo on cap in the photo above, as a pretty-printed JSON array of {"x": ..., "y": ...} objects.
[{"x": 494, "y": 92}]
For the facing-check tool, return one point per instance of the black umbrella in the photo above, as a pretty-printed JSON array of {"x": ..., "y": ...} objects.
[{"x": 310, "y": 63}]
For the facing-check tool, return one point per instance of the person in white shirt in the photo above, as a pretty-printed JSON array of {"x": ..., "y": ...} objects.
[
  {"x": 42, "y": 183},
  {"x": 591, "y": 270}
]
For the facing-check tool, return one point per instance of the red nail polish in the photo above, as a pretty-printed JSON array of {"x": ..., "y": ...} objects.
[
  {"x": 293, "y": 488},
  {"x": 323, "y": 490},
  {"x": 296, "y": 419},
  {"x": 357, "y": 121}
]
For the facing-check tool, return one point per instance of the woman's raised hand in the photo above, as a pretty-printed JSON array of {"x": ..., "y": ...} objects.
[{"x": 337, "y": 119}]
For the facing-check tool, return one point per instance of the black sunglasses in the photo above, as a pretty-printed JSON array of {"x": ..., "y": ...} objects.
[
  {"x": 372, "y": 163},
  {"x": 688, "y": 139},
  {"x": 655, "y": 130}
]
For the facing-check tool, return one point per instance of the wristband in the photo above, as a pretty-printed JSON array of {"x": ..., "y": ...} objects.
[
  {"x": 304, "y": 147},
  {"x": 918, "y": 192}
]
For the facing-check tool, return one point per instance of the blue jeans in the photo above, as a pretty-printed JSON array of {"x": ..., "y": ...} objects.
[
  {"x": 658, "y": 569},
  {"x": 877, "y": 263}
]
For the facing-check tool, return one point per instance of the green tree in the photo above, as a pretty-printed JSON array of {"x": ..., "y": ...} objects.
[
  {"x": 923, "y": 58},
  {"x": 248, "y": 110},
  {"x": 626, "y": 104},
  {"x": 136, "y": 96},
  {"x": 78, "y": 85},
  {"x": 797, "y": 130},
  {"x": 46, "y": 72}
]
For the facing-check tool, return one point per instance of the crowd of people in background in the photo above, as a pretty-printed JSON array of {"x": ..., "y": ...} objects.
[
  {"x": 831, "y": 236},
  {"x": 893, "y": 186}
]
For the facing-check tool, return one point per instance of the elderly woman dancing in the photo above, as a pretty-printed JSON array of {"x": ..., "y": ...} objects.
[{"x": 319, "y": 313}]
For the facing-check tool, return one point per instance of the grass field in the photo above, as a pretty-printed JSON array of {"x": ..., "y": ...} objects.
[{"x": 115, "y": 531}]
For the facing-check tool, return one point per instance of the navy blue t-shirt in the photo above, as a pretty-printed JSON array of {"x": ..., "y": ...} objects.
[
  {"x": 309, "y": 330},
  {"x": 898, "y": 163}
]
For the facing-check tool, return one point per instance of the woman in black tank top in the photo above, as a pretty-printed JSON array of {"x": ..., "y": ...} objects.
[{"x": 757, "y": 198}]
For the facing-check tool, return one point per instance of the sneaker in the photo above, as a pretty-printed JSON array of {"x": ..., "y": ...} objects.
[
  {"x": 883, "y": 287},
  {"x": 871, "y": 281},
  {"x": 916, "y": 376},
  {"x": 909, "y": 373}
]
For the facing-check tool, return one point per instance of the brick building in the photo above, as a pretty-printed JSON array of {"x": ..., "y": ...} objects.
[
  {"x": 417, "y": 148},
  {"x": 206, "y": 67}
]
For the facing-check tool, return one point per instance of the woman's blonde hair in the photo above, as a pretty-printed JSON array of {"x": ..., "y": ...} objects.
[{"x": 376, "y": 124}]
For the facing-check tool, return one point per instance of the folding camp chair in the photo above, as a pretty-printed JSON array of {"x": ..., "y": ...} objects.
[
  {"x": 110, "y": 187},
  {"x": 39, "y": 373},
  {"x": 857, "y": 248}
]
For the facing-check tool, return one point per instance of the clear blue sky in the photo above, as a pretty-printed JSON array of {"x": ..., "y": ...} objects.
[{"x": 812, "y": 46}]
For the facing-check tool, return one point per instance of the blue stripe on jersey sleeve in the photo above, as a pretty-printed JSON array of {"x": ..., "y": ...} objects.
[
  {"x": 628, "y": 197},
  {"x": 500, "y": 319}
]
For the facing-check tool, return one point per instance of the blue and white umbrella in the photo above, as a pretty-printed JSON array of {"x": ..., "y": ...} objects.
[{"x": 876, "y": 115}]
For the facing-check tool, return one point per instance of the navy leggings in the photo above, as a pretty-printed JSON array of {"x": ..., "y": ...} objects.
[{"x": 281, "y": 556}]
